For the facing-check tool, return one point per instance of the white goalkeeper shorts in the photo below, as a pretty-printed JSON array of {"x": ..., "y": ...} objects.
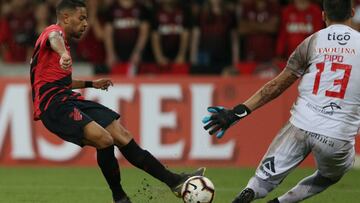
[{"x": 291, "y": 146}]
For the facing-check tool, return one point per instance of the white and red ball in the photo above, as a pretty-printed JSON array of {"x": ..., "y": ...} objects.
[{"x": 198, "y": 189}]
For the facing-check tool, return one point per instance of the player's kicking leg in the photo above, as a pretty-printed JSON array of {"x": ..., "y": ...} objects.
[
  {"x": 146, "y": 161},
  {"x": 95, "y": 135},
  {"x": 82, "y": 123}
]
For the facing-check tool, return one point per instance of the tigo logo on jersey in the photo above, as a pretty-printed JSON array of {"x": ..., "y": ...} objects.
[
  {"x": 76, "y": 115},
  {"x": 341, "y": 38}
]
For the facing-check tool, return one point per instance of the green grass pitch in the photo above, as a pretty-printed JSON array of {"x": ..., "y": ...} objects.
[{"x": 65, "y": 185}]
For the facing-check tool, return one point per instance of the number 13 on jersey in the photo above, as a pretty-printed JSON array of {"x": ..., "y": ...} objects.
[{"x": 343, "y": 82}]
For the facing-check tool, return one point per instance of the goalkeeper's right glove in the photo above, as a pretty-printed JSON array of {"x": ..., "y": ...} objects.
[{"x": 222, "y": 118}]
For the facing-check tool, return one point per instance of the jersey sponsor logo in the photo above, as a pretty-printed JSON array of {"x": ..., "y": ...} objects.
[
  {"x": 342, "y": 39},
  {"x": 327, "y": 110},
  {"x": 332, "y": 106},
  {"x": 336, "y": 50},
  {"x": 76, "y": 115},
  {"x": 300, "y": 28},
  {"x": 170, "y": 29},
  {"x": 126, "y": 23},
  {"x": 321, "y": 138}
]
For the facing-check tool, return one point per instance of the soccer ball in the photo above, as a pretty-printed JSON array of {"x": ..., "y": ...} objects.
[{"x": 198, "y": 189}]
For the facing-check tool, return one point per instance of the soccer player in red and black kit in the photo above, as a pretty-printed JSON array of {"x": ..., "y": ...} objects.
[{"x": 82, "y": 122}]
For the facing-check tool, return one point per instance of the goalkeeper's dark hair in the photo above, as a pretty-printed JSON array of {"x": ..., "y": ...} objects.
[
  {"x": 337, "y": 10},
  {"x": 69, "y": 4}
]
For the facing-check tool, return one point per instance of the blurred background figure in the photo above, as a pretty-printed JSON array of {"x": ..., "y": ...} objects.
[
  {"x": 356, "y": 18},
  {"x": 171, "y": 23},
  {"x": 91, "y": 47},
  {"x": 258, "y": 26},
  {"x": 148, "y": 36},
  {"x": 17, "y": 31},
  {"x": 126, "y": 34},
  {"x": 52, "y": 9},
  {"x": 42, "y": 18},
  {"x": 5, "y": 7},
  {"x": 214, "y": 44},
  {"x": 299, "y": 19}
]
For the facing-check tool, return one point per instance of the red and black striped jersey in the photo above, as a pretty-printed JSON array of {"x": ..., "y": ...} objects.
[{"x": 49, "y": 82}]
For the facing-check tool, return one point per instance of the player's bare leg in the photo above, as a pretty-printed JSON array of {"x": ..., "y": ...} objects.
[
  {"x": 95, "y": 135},
  {"x": 146, "y": 161}
]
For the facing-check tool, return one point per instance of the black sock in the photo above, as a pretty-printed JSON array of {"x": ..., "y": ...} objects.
[
  {"x": 147, "y": 162},
  {"x": 110, "y": 168}
]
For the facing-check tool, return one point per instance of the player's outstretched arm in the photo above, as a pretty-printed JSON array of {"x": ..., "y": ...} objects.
[
  {"x": 271, "y": 90},
  {"x": 102, "y": 84},
  {"x": 221, "y": 118},
  {"x": 58, "y": 45}
]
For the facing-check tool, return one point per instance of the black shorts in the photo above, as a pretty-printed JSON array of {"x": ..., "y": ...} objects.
[{"x": 68, "y": 119}]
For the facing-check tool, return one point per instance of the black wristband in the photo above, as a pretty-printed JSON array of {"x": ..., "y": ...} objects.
[
  {"x": 89, "y": 84},
  {"x": 240, "y": 108}
]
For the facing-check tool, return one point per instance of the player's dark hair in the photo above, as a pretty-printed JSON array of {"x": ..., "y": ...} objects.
[
  {"x": 337, "y": 10},
  {"x": 69, "y": 4}
]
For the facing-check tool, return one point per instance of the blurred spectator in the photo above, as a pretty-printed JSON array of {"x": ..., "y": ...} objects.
[
  {"x": 319, "y": 2},
  {"x": 91, "y": 47},
  {"x": 356, "y": 18},
  {"x": 214, "y": 43},
  {"x": 299, "y": 20},
  {"x": 17, "y": 34},
  {"x": 52, "y": 10},
  {"x": 126, "y": 33},
  {"x": 42, "y": 17},
  {"x": 284, "y": 2},
  {"x": 170, "y": 37},
  {"x": 258, "y": 26},
  {"x": 4, "y": 10},
  {"x": 148, "y": 3},
  {"x": 5, "y": 7},
  {"x": 196, "y": 6}
]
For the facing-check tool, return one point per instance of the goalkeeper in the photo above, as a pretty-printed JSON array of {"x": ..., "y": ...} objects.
[{"x": 324, "y": 119}]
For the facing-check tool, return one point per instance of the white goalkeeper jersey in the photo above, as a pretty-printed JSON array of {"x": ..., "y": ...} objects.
[{"x": 329, "y": 91}]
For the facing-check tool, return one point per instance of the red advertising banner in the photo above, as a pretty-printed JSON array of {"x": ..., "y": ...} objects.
[{"x": 164, "y": 115}]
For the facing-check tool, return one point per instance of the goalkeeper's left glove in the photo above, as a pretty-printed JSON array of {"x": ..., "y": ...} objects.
[{"x": 222, "y": 118}]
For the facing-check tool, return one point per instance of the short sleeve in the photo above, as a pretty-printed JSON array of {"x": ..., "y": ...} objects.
[
  {"x": 45, "y": 37},
  {"x": 298, "y": 61}
]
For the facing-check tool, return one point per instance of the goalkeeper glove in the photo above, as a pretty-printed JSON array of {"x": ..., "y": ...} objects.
[{"x": 222, "y": 118}]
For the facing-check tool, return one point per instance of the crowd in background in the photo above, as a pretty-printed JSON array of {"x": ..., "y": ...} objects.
[{"x": 171, "y": 36}]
